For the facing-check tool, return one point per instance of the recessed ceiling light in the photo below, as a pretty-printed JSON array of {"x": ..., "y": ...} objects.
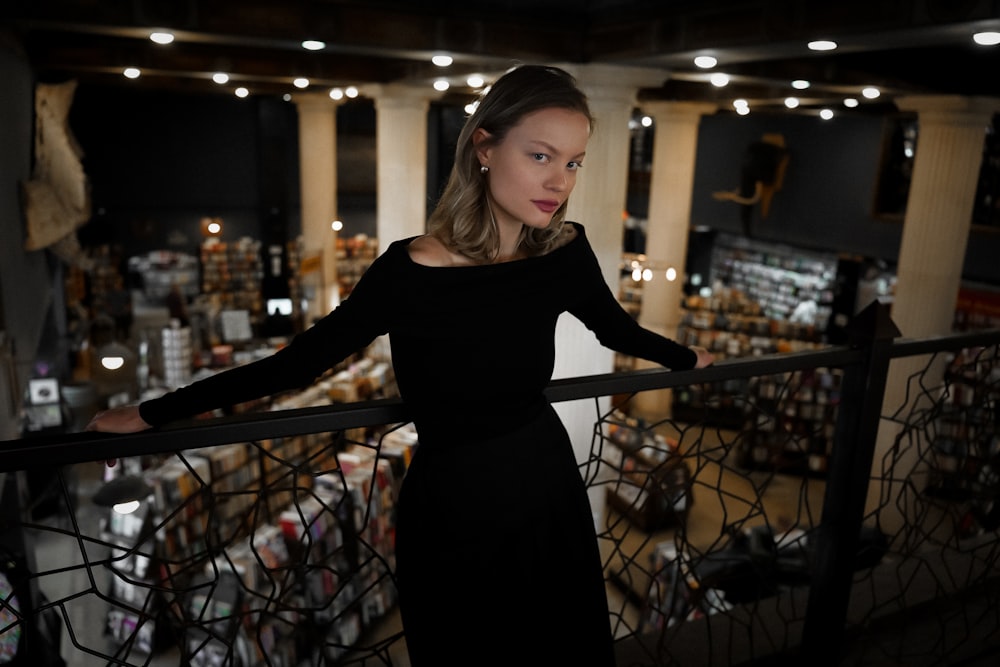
[
  {"x": 301, "y": 82},
  {"x": 822, "y": 45},
  {"x": 161, "y": 37},
  {"x": 706, "y": 62},
  {"x": 987, "y": 38},
  {"x": 220, "y": 77},
  {"x": 826, "y": 114},
  {"x": 241, "y": 92},
  {"x": 442, "y": 60},
  {"x": 871, "y": 92},
  {"x": 791, "y": 102},
  {"x": 719, "y": 79},
  {"x": 475, "y": 81},
  {"x": 336, "y": 94},
  {"x": 800, "y": 84},
  {"x": 313, "y": 45},
  {"x": 850, "y": 102},
  {"x": 441, "y": 85},
  {"x": 131, "y": 72},
  {"x": 351, "y": 92}
]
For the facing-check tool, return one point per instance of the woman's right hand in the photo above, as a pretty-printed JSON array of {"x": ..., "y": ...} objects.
[{"x": 124, "y": 419}]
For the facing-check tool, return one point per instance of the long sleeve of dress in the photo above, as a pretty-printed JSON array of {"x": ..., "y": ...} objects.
[
  {"x": 601, "y": 312},
  {"x": 355, "y": 323}
]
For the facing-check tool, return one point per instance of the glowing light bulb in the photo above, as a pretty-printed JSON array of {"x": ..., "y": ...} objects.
[
  {"x": 126, "y": 508},
  {"x": 113, "y": 363},
  {"x": 161, "y": 37}
]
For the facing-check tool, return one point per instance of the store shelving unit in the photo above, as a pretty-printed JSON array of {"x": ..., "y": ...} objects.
[
  {"x": 280, "y": 547},
  {"x": 732, "y": 326},
  {"x": 790, "y": 421},
  {"x": 780, "y": 280},
  {"x": 232, "y": 272},
  {"x": 652, "y": 487},
  {"x": 354, "y": 256},
  {"x": 965, "y": 446},
  {"x": 135, "y": 600}
]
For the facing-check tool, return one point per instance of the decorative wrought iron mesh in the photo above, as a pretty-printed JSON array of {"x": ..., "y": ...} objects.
[{"x": 279, "y": 552}]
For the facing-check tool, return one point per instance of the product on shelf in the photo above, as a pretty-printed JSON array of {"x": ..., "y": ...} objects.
[
  {"x": 652, "y": 486},
  {"x": 260, "y": 545}
]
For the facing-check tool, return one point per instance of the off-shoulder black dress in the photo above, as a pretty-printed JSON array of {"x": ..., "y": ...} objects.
[{"x": 497, "y": 558}]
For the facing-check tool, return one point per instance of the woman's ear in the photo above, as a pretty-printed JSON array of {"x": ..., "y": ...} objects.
[{"x": 481, "y": 141}]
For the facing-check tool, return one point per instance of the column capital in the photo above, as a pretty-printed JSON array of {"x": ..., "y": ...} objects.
[
  {"x": 614, "y": 83},
  {"x": 951, "y": 109},
  {"x": 315, "y": 102},
  {"x": 664, "y": 109},
  {"x": 400, "y": 95}
]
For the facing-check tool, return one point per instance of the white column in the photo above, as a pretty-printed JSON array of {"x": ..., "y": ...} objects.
[
  {"x": 598, "y": 202},
  {"x": 318, "y": 182},
  {"x": 401, "y": 160},
  {"x": 939, "y": 210},
  {"x": 931, "y": 256},
  {"x": 675, "y": 145}
]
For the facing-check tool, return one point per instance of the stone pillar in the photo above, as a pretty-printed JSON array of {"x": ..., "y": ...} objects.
[
  {"x": 932, "y": 252},
  {"x": 939, "y": 210},
  {"x": 401, "y": 159},
  {"x": 318, "y": 181},
  {"x": 598, "y": 202},
  {"x": 675, "y": 145}
]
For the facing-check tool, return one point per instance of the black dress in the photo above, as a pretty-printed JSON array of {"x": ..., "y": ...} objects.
[{"x": 497, "y": 558}]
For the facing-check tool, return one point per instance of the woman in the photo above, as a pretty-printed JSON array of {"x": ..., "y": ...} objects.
[{"x": 497, "y": 557}]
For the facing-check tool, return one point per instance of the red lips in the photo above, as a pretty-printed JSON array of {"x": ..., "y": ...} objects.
[{"x": 546, "y": 205}]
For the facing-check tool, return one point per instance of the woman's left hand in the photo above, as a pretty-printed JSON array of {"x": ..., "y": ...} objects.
[{"x": 705, "y": 358}]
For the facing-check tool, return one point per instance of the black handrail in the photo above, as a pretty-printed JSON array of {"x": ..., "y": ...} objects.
[{"x": 63, "y": 449}]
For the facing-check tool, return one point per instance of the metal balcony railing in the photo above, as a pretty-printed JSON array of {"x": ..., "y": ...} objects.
[{"x": 838, "y": 506}]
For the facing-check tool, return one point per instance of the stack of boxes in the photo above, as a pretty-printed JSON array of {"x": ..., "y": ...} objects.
[{"x": 177, "y": 351}]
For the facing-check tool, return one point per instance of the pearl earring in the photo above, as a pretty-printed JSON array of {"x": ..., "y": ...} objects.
[{"x": 483, "y": 169}]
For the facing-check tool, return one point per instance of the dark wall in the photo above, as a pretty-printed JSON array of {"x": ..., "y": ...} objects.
[
  {"x": 827, "y": 199},
  {"x": 27, "y": 301},
  {"x": 158, "y": 163}
]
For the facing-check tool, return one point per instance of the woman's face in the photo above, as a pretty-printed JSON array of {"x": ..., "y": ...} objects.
[{"x": 533, "y": 170}]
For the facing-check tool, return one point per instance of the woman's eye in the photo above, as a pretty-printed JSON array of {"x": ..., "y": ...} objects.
[
  {"x": 575, "y": 165},
  {"x": 540, "y": 157}
]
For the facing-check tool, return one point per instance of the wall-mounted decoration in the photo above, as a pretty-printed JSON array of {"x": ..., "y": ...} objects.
[
  {"x": 56, "y": 200},
  {"x": 762, "y": 174}
]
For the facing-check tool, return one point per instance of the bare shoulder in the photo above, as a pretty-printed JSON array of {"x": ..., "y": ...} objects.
[{"x": 429, "y": 251}]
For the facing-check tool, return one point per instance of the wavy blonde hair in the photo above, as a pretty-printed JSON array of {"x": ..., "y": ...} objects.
[{"x": 462, "y": 220}]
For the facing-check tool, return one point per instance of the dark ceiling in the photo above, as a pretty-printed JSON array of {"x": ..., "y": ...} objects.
[{"x": 903, "y": 47}]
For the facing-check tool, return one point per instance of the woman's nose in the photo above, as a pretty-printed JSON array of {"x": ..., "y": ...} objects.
[{"x": 558, "y": 180}]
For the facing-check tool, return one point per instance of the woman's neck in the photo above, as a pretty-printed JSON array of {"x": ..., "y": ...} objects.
[{"x": 510, "y": 243}]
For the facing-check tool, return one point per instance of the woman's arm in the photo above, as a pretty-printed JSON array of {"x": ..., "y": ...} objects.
[
  {"x": 350, "y": 327},
  {"x": 615, "y": 328}
]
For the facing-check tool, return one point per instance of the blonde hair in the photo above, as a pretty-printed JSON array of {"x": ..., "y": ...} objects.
[{"x": 462, "y": 220}]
